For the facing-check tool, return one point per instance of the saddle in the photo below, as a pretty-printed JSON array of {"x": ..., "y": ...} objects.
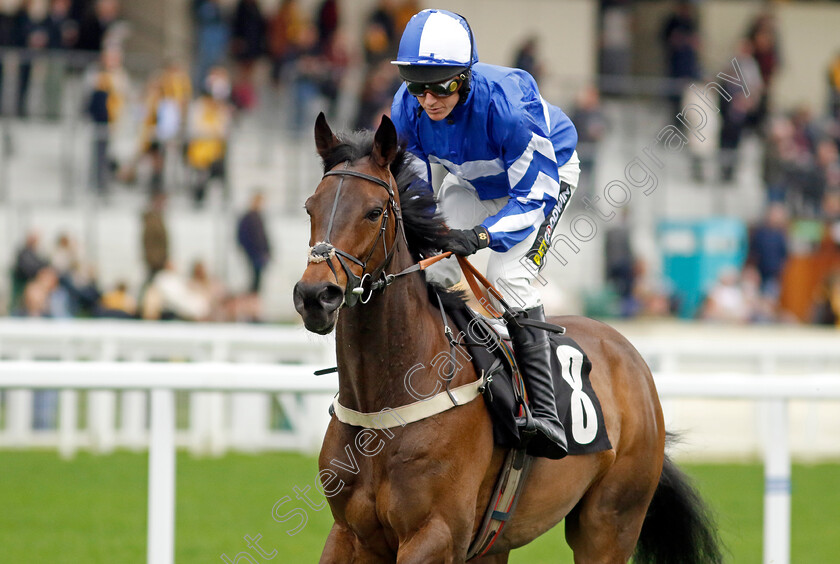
[{"x": 487, "y": 344}]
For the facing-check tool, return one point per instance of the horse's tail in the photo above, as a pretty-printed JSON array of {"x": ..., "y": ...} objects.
[{"x": 678, "y": 526}]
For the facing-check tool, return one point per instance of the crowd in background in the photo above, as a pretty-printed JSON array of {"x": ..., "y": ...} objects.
[
  {"x": 190, "y": 107},
  {"x": 800, "y": 174},
  {"x": 57, "y": 282}
]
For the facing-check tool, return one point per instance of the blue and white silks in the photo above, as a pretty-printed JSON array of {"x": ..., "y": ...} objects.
[{"x": 504, "y": 140}]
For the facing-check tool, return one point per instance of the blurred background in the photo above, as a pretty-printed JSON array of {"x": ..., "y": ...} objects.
[
  {"x": 189, "y": 109},
  {"x": 154, "y": 160}
]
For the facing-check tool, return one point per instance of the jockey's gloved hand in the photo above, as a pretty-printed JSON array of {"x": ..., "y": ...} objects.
[{"x": 465, "y": 242}]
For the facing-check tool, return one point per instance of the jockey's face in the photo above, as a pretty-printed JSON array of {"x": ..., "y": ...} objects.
[{"x": 438, "y": 107}]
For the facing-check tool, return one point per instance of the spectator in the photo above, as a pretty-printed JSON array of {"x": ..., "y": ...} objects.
[
  {"x": 169, "y": 297},
  {"x": 284, "y": 29},
  {"x": 251, "y": 236},
  {"x": 591, "y": 127},
  {"x": 769, "y": 251},
  {"x": 735, "y": 112},
  {"x": 826, "y": 310},
  {"x": 7, "y": 23},
  {"x": 310, "y": 68},
  {"x": 730, "y": 300},
  {"x": 380, "y": 34},
  {"x": 805, "y": 130},
  {"x": 83, "y": 292},
  {"x": 65, "y": 256},
  {"x": 167, "y": 102},
  {"x": 208, "y": 128},
  {"x": 831, "y": 217},
  {"x": 79, "y": 290},
  {"x": 828, "y": 166},
  {"x": 109, "y": 85},
  {"x": 118, "y": 303},
  {"x": 526, "y": 58},
  {"x": 39, "y": 295},
  {"x": 653, "y": 295},
  {"x": 63, "y": 34},
  {"x": 620, "y": 262},
  {"x": 248, "y": 45},
  {"x": 327, "y": 21},
  {"x": 99, "y": 26},
  {"x": 62, "y": 29},
  {"x": 210, "y": 290},
  {"x": 30, "y": 30},
  {"x": 212, "y": 38},
  {"x": 779, "y": 161},
  {"x": 155, "y": 237},
  {"x": 681, "y": 39},
  {"x": 28, "y": 263},
  {"x": 834, "y": 88},
  {"x": 616, "y": 44},
  {"x": 765, "y": 49}
]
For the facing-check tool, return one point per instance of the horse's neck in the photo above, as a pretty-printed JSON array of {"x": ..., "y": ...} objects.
[{"x": 379, "y": 342}]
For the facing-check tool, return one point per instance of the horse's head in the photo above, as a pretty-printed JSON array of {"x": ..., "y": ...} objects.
[{"x": 354, "y": 215}]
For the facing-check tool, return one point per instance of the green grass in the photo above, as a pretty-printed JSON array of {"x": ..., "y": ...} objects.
[{"x": 93, "y": 509}]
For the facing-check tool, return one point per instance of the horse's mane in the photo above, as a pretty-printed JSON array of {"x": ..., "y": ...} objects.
[{"x": 425, "y": 230}]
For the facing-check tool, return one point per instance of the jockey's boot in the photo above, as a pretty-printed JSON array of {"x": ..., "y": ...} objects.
[{"x": 533, "y": 356}]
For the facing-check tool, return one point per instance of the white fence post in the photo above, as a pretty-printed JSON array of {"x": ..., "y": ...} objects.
[
  {"x": 777, "y": 486},
  {"x": 161, "y": 522},
  {"x": 68, "y": 414},
  {"x": 102, "y": 408},
  {"x": 19, "y": 411},
  {"x": 133, "y": 417}
]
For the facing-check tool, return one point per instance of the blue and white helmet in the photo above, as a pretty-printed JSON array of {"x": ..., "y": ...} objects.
[{"x": 435, "y": 45}]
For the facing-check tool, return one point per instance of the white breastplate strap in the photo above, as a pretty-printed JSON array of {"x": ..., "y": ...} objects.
[{"x": 398, "y": 416}]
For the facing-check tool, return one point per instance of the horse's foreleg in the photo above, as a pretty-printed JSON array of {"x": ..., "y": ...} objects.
[{"x": 433, "y": 543}]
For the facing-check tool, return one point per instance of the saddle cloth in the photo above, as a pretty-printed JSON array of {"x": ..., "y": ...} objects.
[{"x": 577, "y": 404}]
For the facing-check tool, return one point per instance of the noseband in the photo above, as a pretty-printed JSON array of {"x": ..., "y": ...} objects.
[{"x": 358, "y": 288}]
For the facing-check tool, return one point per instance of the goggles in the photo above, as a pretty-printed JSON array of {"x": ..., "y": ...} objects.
[{"x": 438, "y": 89}]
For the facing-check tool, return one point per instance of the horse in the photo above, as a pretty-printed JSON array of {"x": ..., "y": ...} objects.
[{"x": 416, "y": 493}]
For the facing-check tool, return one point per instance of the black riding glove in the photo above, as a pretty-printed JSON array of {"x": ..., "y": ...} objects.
[{"x": 465, "y": 242}]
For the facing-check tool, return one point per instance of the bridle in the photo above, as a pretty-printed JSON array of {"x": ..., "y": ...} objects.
[{"x": 360, "y": 289}]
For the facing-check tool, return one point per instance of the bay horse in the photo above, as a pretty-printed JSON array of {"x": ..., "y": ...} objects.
[{"x": 416, "y": 494}]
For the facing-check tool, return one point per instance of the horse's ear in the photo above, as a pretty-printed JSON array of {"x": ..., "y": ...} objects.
[
  {"x": 325, "y": 140},
  {"x": 384, "y": 143}
]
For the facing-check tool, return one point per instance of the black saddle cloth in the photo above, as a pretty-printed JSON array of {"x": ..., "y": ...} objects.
[{"x": 577, "y": 405}]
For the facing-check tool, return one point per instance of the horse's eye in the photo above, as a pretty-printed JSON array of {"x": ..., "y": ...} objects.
[{"x": 374, "y": 215}]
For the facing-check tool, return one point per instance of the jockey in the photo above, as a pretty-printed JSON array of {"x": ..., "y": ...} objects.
[{"x": 512, "y": 166}]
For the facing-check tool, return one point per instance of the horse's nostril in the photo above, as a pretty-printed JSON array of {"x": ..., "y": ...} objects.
[{"x": 331, "y": 297}]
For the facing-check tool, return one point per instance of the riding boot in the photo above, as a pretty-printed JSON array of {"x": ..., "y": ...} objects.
[{"x": 533, "y": 356}]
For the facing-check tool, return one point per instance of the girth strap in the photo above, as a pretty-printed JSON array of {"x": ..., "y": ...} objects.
[
  {"x": 502, "y": 502},
  {"x": 399, "y": 416}
]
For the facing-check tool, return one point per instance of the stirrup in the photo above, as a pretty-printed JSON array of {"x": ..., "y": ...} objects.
[{"x": 526, "y": 424}]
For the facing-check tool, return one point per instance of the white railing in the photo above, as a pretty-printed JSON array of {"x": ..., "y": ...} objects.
[
  {"x": 163, "y": 380},
  {"x": 117, "y": 419},
  {"x": 216, "y": 421}
]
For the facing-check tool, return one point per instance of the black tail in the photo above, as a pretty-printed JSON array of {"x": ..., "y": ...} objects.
[{"x": 678, "y": 526}]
